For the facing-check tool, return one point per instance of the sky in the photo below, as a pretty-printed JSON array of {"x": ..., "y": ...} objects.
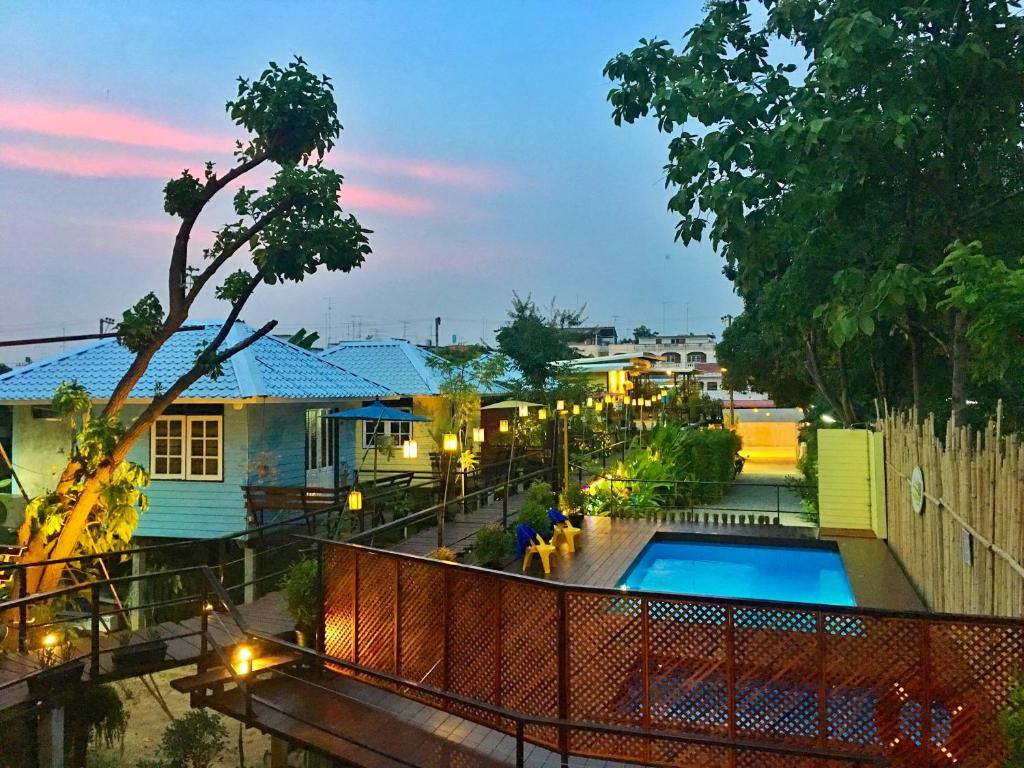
[{"x": 478, "y": 146}]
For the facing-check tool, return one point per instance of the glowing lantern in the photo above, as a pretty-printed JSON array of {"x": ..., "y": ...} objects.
[
  {"x": 560, "y": 405},
  {"x": 590, "y": 402},
  {"x": 243, "y": 660},
  {"x": 542, "y": 414},
  {"x": 410, "y": 450},
  {"x": 598, "y": 407},
  {"x": 524, "y": 411},
  {"x": 503, "y": 426},
  {"x": 608, "y": 399},
  {"x": 451, "y": 442},
  {"x": 576, "y": 410},
  {"x": 647, "y": 403},
  {"x": 355, "y": 500},
  {"x": 478, "y": 434}
]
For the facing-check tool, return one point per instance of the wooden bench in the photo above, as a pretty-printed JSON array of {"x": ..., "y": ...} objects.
[{"x": 289, "y": 498}]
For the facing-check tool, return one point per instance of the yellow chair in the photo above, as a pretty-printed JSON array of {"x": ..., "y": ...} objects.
[
  {"x": 540, "y": 548},
  {"x": 567, "y": 533}
]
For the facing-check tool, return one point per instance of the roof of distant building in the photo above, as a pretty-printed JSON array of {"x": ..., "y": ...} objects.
[
  {"x": 397, "y": 364},
  {"x": 270, "y": 367}
]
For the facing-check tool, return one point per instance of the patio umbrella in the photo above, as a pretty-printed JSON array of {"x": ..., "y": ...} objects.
[
  {"x": 506, "y": 404},
  {"x": 375, "y": 412}
]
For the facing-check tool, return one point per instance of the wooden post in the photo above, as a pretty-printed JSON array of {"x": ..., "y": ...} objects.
[
  {"x": 278, "y": 753},
  {"x": 563, "y": 674},
  {"x": 94, "y": 634}
]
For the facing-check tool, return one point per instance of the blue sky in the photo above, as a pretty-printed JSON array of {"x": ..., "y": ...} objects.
[{"x": 478, "y": 146}]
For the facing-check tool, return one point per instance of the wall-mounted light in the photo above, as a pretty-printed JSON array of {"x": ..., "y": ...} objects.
[
  {"x": 410, "y": 450},
  {"x": 503, "y": 426},
  {"x": 355, "y": 500},
  {"x": 478, "y": 434},
  {"x": 450, "y": 442}
]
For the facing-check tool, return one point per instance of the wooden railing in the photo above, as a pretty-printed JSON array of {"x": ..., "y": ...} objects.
[{"x": 915, "y": 690}]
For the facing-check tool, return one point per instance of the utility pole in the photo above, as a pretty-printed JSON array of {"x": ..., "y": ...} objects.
[
  {"x": 107, "y": 322},
  {"x": 437, "y": 331}
]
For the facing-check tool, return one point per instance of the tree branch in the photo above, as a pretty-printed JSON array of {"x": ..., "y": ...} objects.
[
  {"x": 177, "y": 308},
  {"x": 231, "y": 250}
]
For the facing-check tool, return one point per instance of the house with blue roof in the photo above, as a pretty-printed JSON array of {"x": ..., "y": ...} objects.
[
  {"x": 406, "y": 370},
  {"x": 260, "y": 423}
]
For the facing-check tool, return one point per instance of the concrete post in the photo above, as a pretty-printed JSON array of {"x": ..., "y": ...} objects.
[
  {"x": 137, "y": 592},
  {"x": 51, "y": 738},
  {"x": 249, "y": 565}
]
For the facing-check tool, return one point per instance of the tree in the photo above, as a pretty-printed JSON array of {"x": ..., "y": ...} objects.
[
  {"x": 853, "y": 177},
  {"x": 534, "y": 340},
  {"x": 292, "y": 227},
  {"x": 643, "y": 332}
]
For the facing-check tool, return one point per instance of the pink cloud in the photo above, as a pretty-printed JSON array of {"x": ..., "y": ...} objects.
[
  {"x": 98, "y": 124},
  {"x": 112, "y": 165}
]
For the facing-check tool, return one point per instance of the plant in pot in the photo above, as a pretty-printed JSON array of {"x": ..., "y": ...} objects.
[
  {"x": 574, "y": 501},
  {"x": 301, "y": 588},
  {"x": 58, "y": 667},
  {"x": 140, "y": 654},
  {"x": 494, "y": 546}
]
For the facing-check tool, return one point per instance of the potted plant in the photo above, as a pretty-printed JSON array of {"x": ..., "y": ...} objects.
[
  {"x": 58, "y": 667},
  {"x": 574, "y": 501},
  {"x": 139, "y": 655},
  {"x": 301, "y": 588},
  {"x": 494, "y": 546}
]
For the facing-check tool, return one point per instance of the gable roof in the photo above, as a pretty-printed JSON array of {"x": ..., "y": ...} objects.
[
  {"x": 270, "y": 367},
  {"x": 396, "y": 364}
]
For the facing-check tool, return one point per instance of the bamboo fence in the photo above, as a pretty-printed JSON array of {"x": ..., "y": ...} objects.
[{"x": 964, "y": 551}]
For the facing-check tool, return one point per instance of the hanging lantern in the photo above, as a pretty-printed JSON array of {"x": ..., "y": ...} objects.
[
  {"x": 524, "y": 411},
  {"x": 503, "y": 426},
  {"x": 598, "y": 407},
  {"x": 664, "y": 393},
  {"x": 542, "y": 414},
  {"x": 355, "y": 500},
  {"x": 451, "y": 442},
  {"x": 560, "y": 405},
  {"x": 410, "y": 450},
  {"x": 576, "y": 410},
  {"x": 478, "y": 434},
  {"x": 647, "y": 403},
  {"x": 636, "y": 402},
  {"x": 590, "y": 402},
  {"x": 608, "y": 399}
]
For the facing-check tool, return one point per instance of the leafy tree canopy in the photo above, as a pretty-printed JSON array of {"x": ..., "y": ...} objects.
[
  {"x": 838, "y": 191},
  {"x": 643, "y": 332},
  {"x": 533, "y": 339}
]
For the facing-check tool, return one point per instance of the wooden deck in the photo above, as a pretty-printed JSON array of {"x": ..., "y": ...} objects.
[
  {"x": 460, "y": 531},
  {"x": 606, "y": 547},
  {"x": 182, "y": 637}
]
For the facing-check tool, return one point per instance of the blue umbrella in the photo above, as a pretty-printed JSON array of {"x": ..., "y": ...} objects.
[{"x": 375, "y": 412}]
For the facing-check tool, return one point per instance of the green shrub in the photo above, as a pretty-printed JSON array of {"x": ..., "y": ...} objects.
[
  {"x": 301, "y": 587},
  {"x": 573, "y": 499},
  {"x": 493, "y": 546},
  {"x": 194, "y": 740},
  {"x": 444, "y": 554},
  {"x": 1011, "y": 725},
  {"x": 534, "y": 512}
]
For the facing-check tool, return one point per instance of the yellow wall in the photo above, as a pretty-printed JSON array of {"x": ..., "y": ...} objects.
[
  {"x": 851, "y": 480},
  {"x": 430, "y": 406},
  {"x": 768, "y": 440}
]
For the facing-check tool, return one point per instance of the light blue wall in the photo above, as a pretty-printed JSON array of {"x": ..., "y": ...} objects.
[
  {"x": 198, "y": 509},
  {"x": 277, "y": 435}
]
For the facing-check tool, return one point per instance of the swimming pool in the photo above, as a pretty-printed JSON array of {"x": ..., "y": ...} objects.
[{"x": 804, "y": 573}]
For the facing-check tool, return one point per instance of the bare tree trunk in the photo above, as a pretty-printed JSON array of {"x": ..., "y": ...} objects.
[
  {"x": 959, "y": 364},
  {"x": 849, "y": 412},
  {"x": 814, "y": 370},
  {"x": 914, "y": 342}
]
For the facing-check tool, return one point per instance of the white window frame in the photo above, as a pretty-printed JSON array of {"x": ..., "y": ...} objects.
[
  {"x": 186, "y": 449},
  {"x": 400, "y": 430}
]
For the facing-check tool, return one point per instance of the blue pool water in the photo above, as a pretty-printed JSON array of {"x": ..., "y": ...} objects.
[{"x": 743, "y": 571}]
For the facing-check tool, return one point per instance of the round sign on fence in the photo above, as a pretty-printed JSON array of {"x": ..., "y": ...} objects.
[{"x": 917, "y": 490}]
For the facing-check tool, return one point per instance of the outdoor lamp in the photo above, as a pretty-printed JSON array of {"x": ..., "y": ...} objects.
[
  {"x": 560, "y": 405},
  {"x": 576, "y": 410},
  {"x": 524, "y": 411},
  {"x": 608, "y": 399},
  {"x": 590, "y": 402},
  {"x": 50, "y": 639},
  {"x": 451, "y": 442},
  {"x": 243, "y": 660},
  {"x": 355, "y": 500},
  {"x": 410, "y": 450},
  {"x": 478, "y": 434},
  {"x": 503, "y": 426},
  {"x": 542, "y": 414},
  {"x": 598, "y": 407},
  {"x": 647, "y": 403}
]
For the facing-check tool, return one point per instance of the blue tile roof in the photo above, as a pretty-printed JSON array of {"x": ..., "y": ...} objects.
[
  {"x": 397, "y": 364},
  {"x": 270, "y": 367}
]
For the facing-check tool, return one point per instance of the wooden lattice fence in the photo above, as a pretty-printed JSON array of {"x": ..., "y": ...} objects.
[
  {"x": 852, "y": 681},
  {"x": 964, "y": 550}
]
